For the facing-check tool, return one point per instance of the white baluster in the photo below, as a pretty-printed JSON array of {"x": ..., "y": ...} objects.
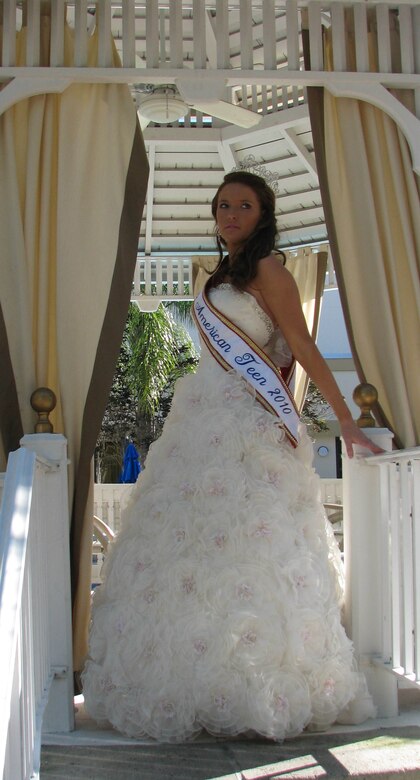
[
  {"x": 129, "y": 34},
  {"x": 159, "y": 286},
  {"x": 58, "y": 12},
  {"x": 81, "y": 34},
  {"x": 406, "y": 535},
  {"x": 9, "y": 33},
  {"x": 292, "y": 31},
  {"x": 180, "y": 268},
  {"x": 292, "y": 27},
  {"x": 175, "y": 34},
  {"x": 103, "y": 12},
  {"x": 406, "y": 39},
  {"x": 416, "y": 561},
  {"x": 148, "y": 276},
  {"x": 338, "y": 36},
  {"x": 137, "y": 276},
  {"x": 222, "y": 34},
  {"x": 33, "y": 11},
  {"x": 315, "y": 35},
  {"x": 361, "y": 38},
  {"x": 385, "y": 536},
  {"x": 384, "y": 38},
  {"x": 190, "y": 276},
  {"x": 199, "y": 34},
  {"x": 395, "y": 561},
  {"x": 270, "y": 59},
  {"x": 169, "y": 276},
  {"x": 152, "y": 34},
  {"x": 247, "y": 57}
]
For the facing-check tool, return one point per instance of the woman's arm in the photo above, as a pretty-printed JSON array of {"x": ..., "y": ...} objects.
[{"x": 281, "y": 297}]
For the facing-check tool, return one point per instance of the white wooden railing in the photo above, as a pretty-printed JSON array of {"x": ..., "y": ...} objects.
[
  {"x": 381, "y": 503},
  {"x": 36, "y": 682},
  {"x": 161, "y": 278},
  {"x": 108, "y": 501},
  {"x": 257, "y": 64},
  {"x": 252, "y": 47},
  {"x": 399, "y": 545}
]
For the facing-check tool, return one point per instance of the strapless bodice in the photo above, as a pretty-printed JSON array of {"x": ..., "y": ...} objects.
[{"x": 244, "y": 311}]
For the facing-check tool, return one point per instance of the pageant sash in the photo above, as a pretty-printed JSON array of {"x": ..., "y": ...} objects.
[{"x": 233, "y": 349}]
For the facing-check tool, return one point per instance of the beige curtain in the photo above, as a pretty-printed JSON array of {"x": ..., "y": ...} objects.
[
  {"x": 202, "y": 269},
  {"x": 377, "y": 224},
  {"x": 72, "y": 187},
  {"x": 371, "y": 202},
  {"x": 308, "y": 269}
]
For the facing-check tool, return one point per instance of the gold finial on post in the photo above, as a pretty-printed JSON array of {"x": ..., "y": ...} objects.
[
  {"x": 43, "y": 401},
  {"x": 365, "y": 396}
]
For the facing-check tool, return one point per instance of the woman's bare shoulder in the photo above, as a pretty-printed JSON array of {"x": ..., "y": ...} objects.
[{"x": 272, "y": 271}]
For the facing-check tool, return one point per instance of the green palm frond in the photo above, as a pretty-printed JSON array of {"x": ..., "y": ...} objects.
[{"x": 152, "y": 348}]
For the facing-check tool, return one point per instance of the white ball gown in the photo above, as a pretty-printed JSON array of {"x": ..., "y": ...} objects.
[{"x": 220, "y": 607}]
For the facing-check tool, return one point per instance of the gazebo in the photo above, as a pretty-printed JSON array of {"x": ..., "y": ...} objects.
[{"x": 117, "y": 123}]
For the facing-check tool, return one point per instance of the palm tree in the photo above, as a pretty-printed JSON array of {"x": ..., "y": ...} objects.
[{"x": 155, "y": 351}]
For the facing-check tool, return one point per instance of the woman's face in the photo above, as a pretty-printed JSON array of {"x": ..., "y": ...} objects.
[{"x": 238, "y": 213}]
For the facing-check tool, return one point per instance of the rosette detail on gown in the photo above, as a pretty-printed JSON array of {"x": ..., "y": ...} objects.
[{"x": 220, "y": 606}]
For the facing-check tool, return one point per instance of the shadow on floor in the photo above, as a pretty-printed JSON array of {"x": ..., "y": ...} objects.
[{"x": 383, "y": 753}]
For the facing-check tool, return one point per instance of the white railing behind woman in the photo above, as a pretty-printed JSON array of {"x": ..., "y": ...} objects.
[
  {"x": 36, "y": 685},
  {"x": 171, "y": 278}
]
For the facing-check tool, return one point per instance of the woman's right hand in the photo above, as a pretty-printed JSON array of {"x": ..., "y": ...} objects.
[{"x": 352, "y": 434}]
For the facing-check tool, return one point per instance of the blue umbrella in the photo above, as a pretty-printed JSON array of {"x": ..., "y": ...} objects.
[{"x": 131, "y": 465}]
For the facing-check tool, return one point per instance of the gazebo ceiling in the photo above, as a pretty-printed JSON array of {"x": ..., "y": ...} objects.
[
  {"x": 186, "y": 171},
  {"x": 189, "y": 156}
]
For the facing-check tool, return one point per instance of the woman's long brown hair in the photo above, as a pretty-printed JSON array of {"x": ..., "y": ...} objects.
[{"x": 260, "y": 243}]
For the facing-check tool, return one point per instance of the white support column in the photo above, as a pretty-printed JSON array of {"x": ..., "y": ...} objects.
[
  {"x": 59, "y": 715},
  {"x": 363, "y": 573}
]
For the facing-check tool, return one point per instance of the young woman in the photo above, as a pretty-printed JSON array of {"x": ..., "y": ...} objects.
[{"x": 220, "y": 607}]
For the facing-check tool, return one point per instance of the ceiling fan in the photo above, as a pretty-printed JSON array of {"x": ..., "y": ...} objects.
[{"x": 166, "y": 103}]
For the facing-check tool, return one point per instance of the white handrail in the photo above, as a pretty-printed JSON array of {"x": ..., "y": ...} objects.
[
  {"x": 396, "y": 456},
  {"x": 35, "y": 618},
  {"x": 14, "y": 530}
]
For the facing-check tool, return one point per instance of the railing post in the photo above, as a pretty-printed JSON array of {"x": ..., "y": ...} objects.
[
  {"x": 59, "y": 712},
  {"x": 363, "y": 574}
]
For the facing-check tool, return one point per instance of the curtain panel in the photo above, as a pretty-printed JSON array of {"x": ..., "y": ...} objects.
[
  {"x": 371, "y": 202},
  {"x": 72, "y": 187}
]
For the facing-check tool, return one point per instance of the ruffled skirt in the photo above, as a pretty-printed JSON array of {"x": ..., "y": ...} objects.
[{"x": 220, "y": 607}]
